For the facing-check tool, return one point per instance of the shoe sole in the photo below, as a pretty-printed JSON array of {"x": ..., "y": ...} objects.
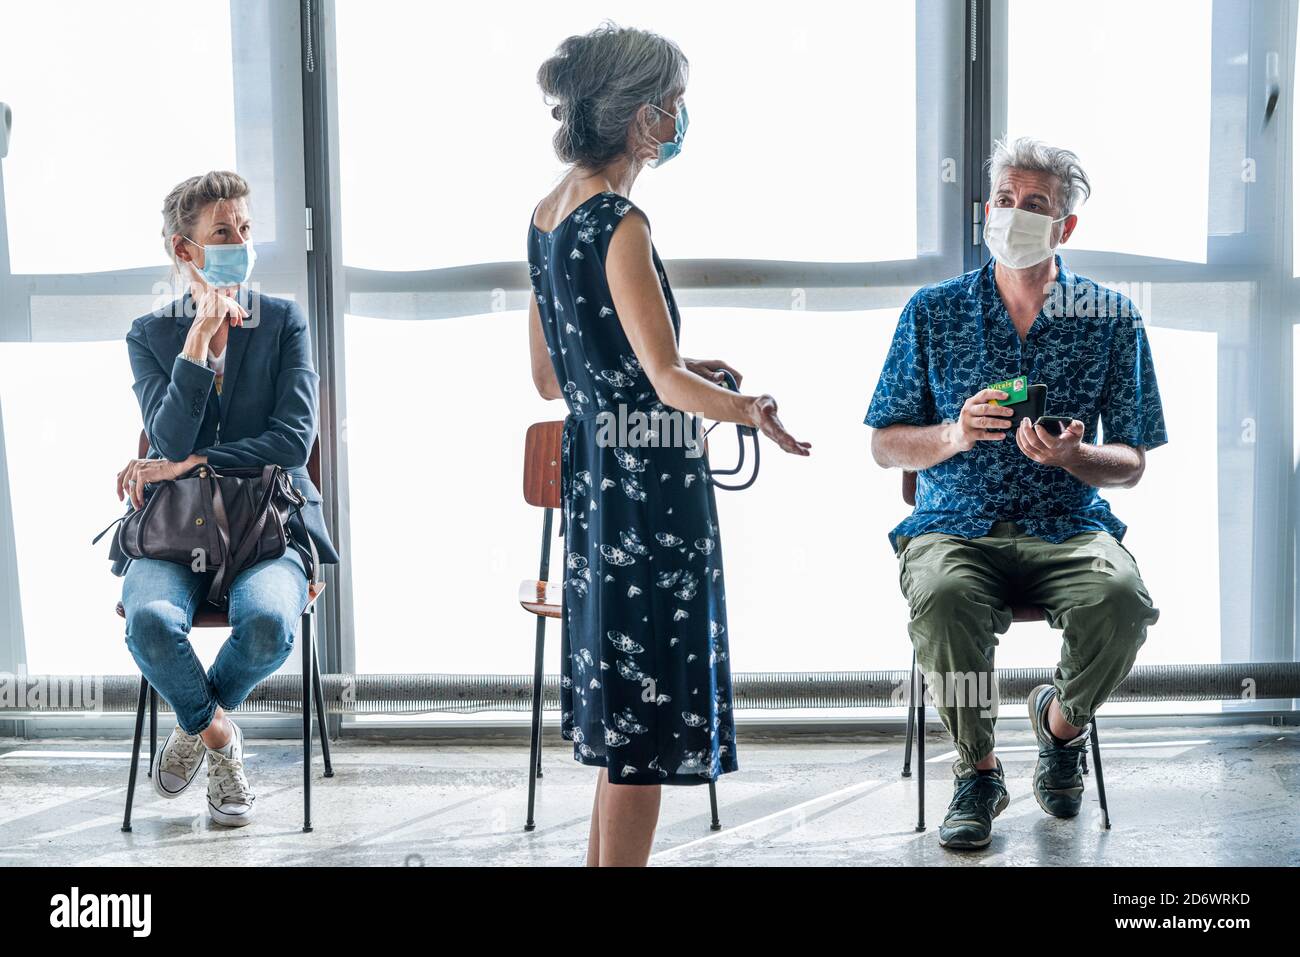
[
  {"x": 1038, "y": 731},
  {"x": 157, "y": 766},
  {"x": 977, "y": 845},
  {"x": 229, "y": 820}
]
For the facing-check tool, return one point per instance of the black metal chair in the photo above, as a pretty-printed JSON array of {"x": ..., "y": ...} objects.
[
  {"x": 916, "y": 707},
  {"x": 544, "y": 599},
  {"x": 209, "y": 617}
]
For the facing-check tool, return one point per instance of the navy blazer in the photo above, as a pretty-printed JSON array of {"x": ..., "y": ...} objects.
[{"x": 266, "y": 412}]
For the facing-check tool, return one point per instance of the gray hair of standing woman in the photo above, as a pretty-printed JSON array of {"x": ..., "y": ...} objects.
[{"x": 598, "y": 82}]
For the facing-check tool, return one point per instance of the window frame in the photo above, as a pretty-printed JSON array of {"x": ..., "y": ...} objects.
[{"x": 833, "y": 286}]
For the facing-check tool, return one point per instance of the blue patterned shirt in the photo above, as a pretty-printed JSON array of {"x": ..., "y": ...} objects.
[{"x": 1088, "y": 347}]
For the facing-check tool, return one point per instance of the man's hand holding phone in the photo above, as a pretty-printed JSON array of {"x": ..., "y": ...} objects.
[{"x": 1040, "y": 441}]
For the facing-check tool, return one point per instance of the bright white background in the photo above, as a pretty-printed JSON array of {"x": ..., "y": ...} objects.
[
  {"x": 84, "y": 78},
  {"x": 803, "y": 130},
  {"x": 812, "y": 583},
  {"x": 1126, "y": 86}
]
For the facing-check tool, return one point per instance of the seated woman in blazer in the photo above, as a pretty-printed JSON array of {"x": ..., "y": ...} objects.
[{"x": 223, "y": 375}]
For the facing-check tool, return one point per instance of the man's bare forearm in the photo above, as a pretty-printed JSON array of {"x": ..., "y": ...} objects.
[
  {"x": 918, "y": 447},
  {"x": 1113, "y": 465},
  {"x": 914, "y": 447}
]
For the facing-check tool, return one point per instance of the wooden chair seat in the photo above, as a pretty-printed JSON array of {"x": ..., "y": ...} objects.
[{"x": 540, "y": 598}]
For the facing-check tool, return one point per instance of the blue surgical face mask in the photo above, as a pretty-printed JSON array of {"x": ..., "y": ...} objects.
[
  {"x": 229, "y": 264},
  {"x": 674, "y": 146}
]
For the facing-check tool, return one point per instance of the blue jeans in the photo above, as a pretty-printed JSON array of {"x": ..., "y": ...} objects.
[{"x": 160, "y": 598}]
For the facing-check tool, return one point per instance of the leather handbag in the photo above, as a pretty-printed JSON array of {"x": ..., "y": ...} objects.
[{"x": 222, "y": 520}]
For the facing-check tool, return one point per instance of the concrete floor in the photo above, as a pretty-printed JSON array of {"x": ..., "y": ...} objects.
[{"x": 1178, "y": 796}]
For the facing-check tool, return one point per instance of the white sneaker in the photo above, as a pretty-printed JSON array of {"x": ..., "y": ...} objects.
[
  {"x": 177, "y": 763},
  {"x": 230, "y": 799}
]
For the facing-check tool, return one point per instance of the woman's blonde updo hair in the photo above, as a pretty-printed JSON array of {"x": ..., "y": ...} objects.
[
  {"x": 189, "y": 198},
  {"x": 597, "y": 83}
]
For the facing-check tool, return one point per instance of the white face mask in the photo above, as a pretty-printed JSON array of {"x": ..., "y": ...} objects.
[{"x": 1018, "y": 238}]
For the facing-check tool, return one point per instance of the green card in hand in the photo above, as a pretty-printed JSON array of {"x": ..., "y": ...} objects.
[{"x": 1017, "y": 390}]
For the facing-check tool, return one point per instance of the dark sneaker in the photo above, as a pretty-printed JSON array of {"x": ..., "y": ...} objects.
[
  {"x": 1058, "y": 775},
  {"x": 977, "y": 798}
]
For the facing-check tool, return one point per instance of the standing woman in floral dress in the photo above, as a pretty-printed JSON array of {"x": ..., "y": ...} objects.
[{"x": 645, "y": 685}]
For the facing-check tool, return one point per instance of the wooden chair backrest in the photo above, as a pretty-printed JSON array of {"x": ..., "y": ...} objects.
[{"x": 542, "y": 464}]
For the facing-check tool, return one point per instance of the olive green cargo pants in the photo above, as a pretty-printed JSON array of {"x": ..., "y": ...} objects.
[{"x": 959, "y": 590}]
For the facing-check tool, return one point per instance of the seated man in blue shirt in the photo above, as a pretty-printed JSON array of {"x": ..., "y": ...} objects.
[{"x": 1013, "y": 517}]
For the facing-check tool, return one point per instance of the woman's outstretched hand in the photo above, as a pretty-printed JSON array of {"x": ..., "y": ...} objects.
[{"x": 764, "y": 419}]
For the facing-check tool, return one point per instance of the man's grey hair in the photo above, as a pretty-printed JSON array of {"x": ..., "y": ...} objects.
[
  {"x": 598, "y": 83},
  {"x": 1026, "y": 153}
]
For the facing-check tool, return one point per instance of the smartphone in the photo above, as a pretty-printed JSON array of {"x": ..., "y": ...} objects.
[{"x": 1054, "y": 424}]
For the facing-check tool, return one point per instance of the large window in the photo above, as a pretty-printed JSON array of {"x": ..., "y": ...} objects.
[
  {"x": 1173, "y": 223},
  {"x": 1157, "y": 100},
  {"x": 858, "y": 98},
  {"x": 107, "y": 118}
]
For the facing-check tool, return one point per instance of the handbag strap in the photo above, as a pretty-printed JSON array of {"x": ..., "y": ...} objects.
[
  {"x": 95, "y": 540},
  {"x": 222, "y": 523},
  {"x": 252, "y": 535},
  {"x": 310, "y": 556},
  {"x": 215, "y": 506},
  {"x": 311, "y": 560}
]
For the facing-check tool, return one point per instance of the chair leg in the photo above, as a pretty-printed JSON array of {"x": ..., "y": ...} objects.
[
  {"x": 153, "y": 727},
  {"x": 1101, "y": 783},
  {"x": 321, "y": 715},
  {"x": 135, "y": 753},
  {"x": 911, "y": 718},
  {"x": 920, "y": 750},
  {"x": 715, "y": 824},
  {"x": 535, "y": 735},
  {"x": 307, "y": 659}
]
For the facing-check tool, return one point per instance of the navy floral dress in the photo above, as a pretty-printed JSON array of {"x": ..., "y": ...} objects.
[{"x": 645, "y": 682}]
